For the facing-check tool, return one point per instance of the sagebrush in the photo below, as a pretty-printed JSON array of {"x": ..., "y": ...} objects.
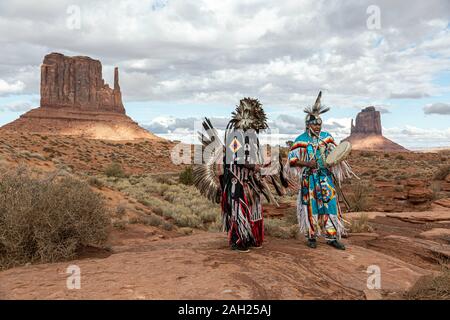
[{"x": 47, "y": 219}]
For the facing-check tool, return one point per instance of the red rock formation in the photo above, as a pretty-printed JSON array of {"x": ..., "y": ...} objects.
[
  {"x": 77, "y": 82},
  {"x": 368, "y": 121},
  {"x": 420, "y": 195},
  {"x": 366, "y": 133},
  {"x": 76, "y": 101}
]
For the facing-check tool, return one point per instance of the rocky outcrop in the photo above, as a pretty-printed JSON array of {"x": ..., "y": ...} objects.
[
  {"x": 366, "y": 133},
  {"x": 77, "y": 82},
  {"x": 75, "y": 100},
  {"x": 368, "y": 121},
  {"x": 420, "y": 195}
]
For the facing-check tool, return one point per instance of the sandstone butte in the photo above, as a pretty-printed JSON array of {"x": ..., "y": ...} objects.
[
  {"x": 366, "y": 133},
  {"x": 76, "y": 101}
]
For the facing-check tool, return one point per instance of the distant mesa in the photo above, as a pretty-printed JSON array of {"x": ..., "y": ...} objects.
[
  {"x": 75, "y": 100},
  {"x": 368, "y": 121},
  {"x": 366, "y": 133}
]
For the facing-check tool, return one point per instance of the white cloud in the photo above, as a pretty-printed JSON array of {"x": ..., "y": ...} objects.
[
  {"x": 437, "y": 108},
  {"x": 199, "y": 51},
  {"x": 17, "y": 106},
  {"x": 415, "y": 138},
  {"x": 9, "y": 88},
  {"x": 213, "y": 51}
]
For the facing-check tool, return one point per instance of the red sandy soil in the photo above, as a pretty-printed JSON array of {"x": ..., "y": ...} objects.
[
  {"x": 145, "y": 263},
  {"x": 86, "y": 155}
]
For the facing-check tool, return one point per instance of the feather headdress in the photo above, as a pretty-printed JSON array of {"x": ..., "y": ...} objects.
[
  {"x": 314, "y": 112},
  {"x": 249, "y": 114}
]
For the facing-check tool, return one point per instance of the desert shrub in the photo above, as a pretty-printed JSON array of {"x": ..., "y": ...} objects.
[
  {"x": 280, "y": 229},
  {"x": 431, "y": 287},
  {"x": 400, "y": 157},
  {"x": 165, "y": 180},
  {"x": 182, "y": 204},
  {"x": 167, "y": 226},
  {"x": 44, "y": 220},
  {"x": 114, "y": 170},
  {"x": 185, "y": 230},
  {"x": 366, "y": 154},
  {"x": 208, "y": 215},
  {"x": 152, "y": 220},
  {"x": 435, "y": 186},
  {"x": 144, "y": 202},
  {"x": 186, "y": 176},
  {"x": 119, "y": 225},
  {"x": 359, "y": 199},
  {"x": 291, "y": 216},
  {"x": 360, "y": 224},
  {"x": 121, "y": 209},
  {"x": 95, "y": 182},
  {"x": 442, "y": 172},
  {"x": 401, "y": 177},
  {"x": 29, "y": 155},
  {"x": 187, "y": 220}
]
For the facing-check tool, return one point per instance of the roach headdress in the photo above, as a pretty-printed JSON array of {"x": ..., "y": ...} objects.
[{"x": 313, "y": 113}]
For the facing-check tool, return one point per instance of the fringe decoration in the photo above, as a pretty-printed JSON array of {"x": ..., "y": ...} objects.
[
  {"x": 302, "y": 215},
  {"x": 342, "y": 171}
]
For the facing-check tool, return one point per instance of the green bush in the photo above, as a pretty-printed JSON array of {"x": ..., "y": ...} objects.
[
  {"x": 47, "y": 220},
  {"x": 187, "y": 177}
]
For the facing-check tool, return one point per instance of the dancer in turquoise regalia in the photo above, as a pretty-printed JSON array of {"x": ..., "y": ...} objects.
[{"x": 318, "y": 209}]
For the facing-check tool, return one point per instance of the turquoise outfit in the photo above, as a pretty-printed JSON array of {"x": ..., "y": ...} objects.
[{"x": 318, "y": 208}]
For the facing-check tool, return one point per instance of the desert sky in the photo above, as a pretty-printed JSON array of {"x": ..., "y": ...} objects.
[{"x": 181, "y": 60}]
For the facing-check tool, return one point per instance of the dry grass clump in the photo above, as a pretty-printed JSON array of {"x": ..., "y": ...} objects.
[
  {"x": 115, "y": 170},
  {"x": 359, "y": 199},
  {"x": 280, "y": 228},
  {"x": 367, "y": 154},
  {"x": 32, "y": 155},
  {"x": 442, "y": 172},
  {"x": 360, "y": 224},
  {"x": 95, "y": 182},
  {"x": 46, "y": 220},
  {"x": 150, "y": 220},
  {"x": 182, "y": 204},
  {"x": 431, "y": 288}
]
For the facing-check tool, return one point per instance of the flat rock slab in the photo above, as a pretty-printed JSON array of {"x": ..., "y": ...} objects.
[
  {"x": 443, "y": 202},
  {"x": 439, "y": 249},
  {"x": 436, "y": 233},
  {"x": 426, "y": 216}
]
